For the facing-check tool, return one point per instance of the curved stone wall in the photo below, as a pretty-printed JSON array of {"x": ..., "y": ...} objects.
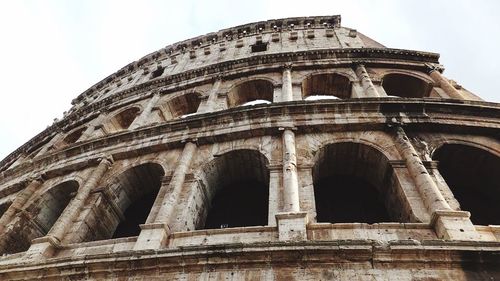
[{"x": 286, "y": 149}]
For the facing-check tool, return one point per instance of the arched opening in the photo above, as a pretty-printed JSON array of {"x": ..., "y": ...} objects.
[
  {"x": 43, "y": 213},
  {"x": 473, "y": 176},
  {"x": 4, "y": 206},
  {"x": 124, "y": 119},
  {"x": 238, "y": 187},
  {"x": 181, "y": 106},
  {"x": 405, "y": 86},
  {"x": 134, "y": 192},
  {"x": 324, "y": 86},
  {"x": 73, "y": 137},
  {"x": 354, "y": 182},
  {"x": 250, "y": 91}
]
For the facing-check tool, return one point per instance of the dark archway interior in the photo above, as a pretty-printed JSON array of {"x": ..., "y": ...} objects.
[
  {"x": 240, "y": 204},
  {"x": 473, "y": 176},
  {"x": 250, "y": 91},
  {"x": 347, "y": 199},
  {"x": 183, "y": 105},
  {"x": 44, "y": 211},
  {"x": 238, "y": 183},
  {"x": 3, "y": 207},
  {"x": 405, "y": 86},
  {"x": 353, "y": 183},
  {"x": 135, "y": 191},
  {"x": 136, "y": 214},
  {"x": 73, "y": 137},
  {"x": 327, "y": 85},
  {"x": 126, "y": 117}
]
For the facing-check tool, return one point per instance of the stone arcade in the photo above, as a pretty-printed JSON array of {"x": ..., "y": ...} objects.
[{"x": 291, "y": 149}]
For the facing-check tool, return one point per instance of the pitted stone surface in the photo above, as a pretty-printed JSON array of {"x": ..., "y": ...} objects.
[{"x": 128, "y": 184}]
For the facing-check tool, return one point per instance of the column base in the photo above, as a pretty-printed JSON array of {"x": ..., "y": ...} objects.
[
  {"x": 42, "y": 248},
  {"x": 454, "y": 225},
  {"x": 292, "y": 226},
  {"x": 152, "y": 236}
]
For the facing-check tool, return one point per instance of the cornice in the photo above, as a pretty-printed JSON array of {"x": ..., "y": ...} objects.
[
  {"x": 335, "y": 57},
  {"x": 420, "y": 113}
]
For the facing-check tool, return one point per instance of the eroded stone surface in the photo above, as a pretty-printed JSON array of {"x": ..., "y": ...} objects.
[{"x": 284, "y": 105}]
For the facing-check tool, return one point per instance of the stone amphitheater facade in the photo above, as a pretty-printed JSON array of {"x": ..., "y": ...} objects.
[{"x": 291, "y": 149}]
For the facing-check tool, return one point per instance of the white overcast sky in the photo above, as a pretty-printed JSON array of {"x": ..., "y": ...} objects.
[{"x": 51, "y": 51}]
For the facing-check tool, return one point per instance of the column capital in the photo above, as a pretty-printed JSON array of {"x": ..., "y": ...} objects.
[
  {"x": 434, "y": 67},
  {"x": 41, "y": 178},
  {"x": 287, "y": 66},
  {"x": 107, "y": 160},
  {"x": 395, "y": 124},
  {"x": 360, "y": 63}
]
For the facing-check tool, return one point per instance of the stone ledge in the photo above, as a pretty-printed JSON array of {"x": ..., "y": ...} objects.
[{"x": 435, "y": 254}]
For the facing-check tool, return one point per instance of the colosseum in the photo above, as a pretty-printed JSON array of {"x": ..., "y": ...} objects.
[{"x": 289, "y": 149}]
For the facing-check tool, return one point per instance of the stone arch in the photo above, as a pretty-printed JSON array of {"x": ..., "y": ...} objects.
[
  {"x": 124, "y": 118},
  {"x": 416, "y": 74},
  {"x": 389, "y": 151},
  {"x": 464, "y": 142},
  {"x": 328, "y": 84},
  {"x": 127, "y": 200},
  {"x": 346, "y": 72},
  {"x": 406, "y": 85},
  {"x": 236, "y": 184},
  {"x": 473, "y": 175},
  {"x": 355, "y": 182},
  {"x": 180, "y": 105},
  {"x": 39, "y": 216},
  {"x": 250, "y": 90},
  {"x": 72, "y": 137}
]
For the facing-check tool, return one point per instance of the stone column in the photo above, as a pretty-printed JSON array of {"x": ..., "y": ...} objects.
[
  {"x": 445, "y": 85},
  {"x": 291, "y": 222},
  {"x": 287, "y": 88},
  {"x": 21, "y": 199},
  {"x": 448, "y": 224},
  {"x": 55, "y": 139},
  {"x": 211, "y": 103},
  {"x": 366, "y": 82},
  {"x": 433, "y": 200},
  {"x": 154, "y": 235},
  {"x": 142, "y": 119},
  {"x": 44, "y": 246},
  {"x": 290, "y": 180}
]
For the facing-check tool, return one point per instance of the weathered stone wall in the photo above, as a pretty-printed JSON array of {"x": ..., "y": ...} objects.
[{"x": 176, "y": 125}]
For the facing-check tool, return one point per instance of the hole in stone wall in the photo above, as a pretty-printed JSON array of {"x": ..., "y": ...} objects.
[
  {"x": 473, "y": 176},
  {"x": 326, "y": 85},
  {"x": 238, "y": 183},
  {"x": 256, "y": 102},
  {"x": 250, "y": 91},
  {"x": 158, "y": 72},
  {"x": 353, "y": 183},
  {"x": 259, "y": 47},
  {"x": 405, "y": 86}
]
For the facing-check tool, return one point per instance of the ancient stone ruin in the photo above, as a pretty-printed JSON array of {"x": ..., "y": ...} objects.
[{"x": 290, "y": 149}]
